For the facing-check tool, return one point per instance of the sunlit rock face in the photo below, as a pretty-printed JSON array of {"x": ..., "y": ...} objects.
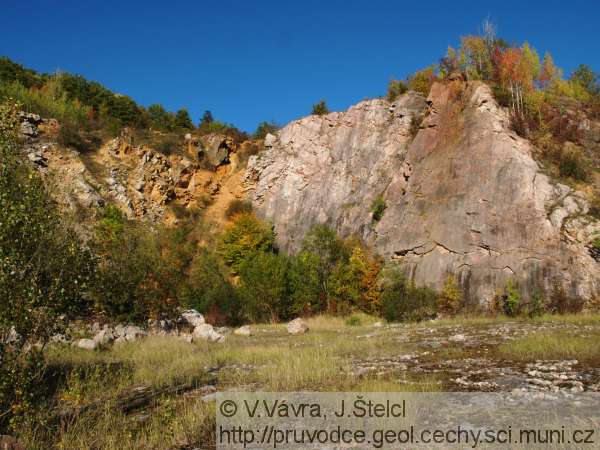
[{"x": 463, "y": 194}]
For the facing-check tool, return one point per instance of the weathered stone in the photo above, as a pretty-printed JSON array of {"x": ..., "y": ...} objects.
[
  {"x": 192, "y": 318},
  {"x": 132, "y": 333},
  {"x": 243, "y": 331},
  {"x": 297, "y": 326},
  {"x": 207, "y": 333},
  {"x": 465, "y": 196},
  {"x": 87, "y": 344},
  {"x": 104, "y": 337}
]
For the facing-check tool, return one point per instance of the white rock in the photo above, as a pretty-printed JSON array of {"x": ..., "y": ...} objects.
[
  {"x": 132, "y": 332},
  {"x": 270, "y": 140},
  {"x": 378, "y": 324},
  {"x": 193, "y": 317},
  {"x": 457, "y": 338},
  {"x": 87, "y": 344},
  {"x": 208, "y": 333},
  {"x": 243, "y": 331},
  {"x": 104, "y": 337},
  {"x": 297, "y": 326}
]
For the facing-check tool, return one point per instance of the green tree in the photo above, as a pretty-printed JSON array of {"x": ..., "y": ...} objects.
[
  {"x": 395, "y": 89},
  {"x": 402, "y": 301},
  {"x": 160, "y": 118},
  {"x": 450, "y": 298},
  {"x": 322, "y": 250},
  {"x": 585, "y": 77},
  {"x": 320, "y": 108},
  {"x": 183, "y": 120},
  {"x": 265, "y": 128},
  {"x": 246, "y": 236},
  {"x": 422, "y": 80},
  {"x": 264, "y": 287}
]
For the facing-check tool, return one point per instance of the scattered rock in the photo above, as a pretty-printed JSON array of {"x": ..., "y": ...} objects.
[
  {"x": 297, "y": 326},
  {"x": 207, "y": 333},
  {"x": 104, "y": 337},
  {"x": 243, "y": 331},
  {"x": 87, "y": 344},
  {"x": 378, "y": 324},
  {"x": 193, "y": 318}
]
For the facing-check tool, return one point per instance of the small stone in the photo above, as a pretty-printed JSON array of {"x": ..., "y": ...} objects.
[
  {"x": 297, "y": 326},
  {"x": 243, "y": 331}
]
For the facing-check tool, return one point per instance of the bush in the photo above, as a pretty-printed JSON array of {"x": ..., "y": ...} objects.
[
  {"x": 265, "y": 128},
  {"x": 246, "y": 236},
  {"x": 353, "y": 321},
  {"x": 422, "y": 81},
  {"x": 238, "y": 207},
  {"x": 511, "y": 299},
  {"x": 395, "y": 89},
  {"x": 320, "y": 109},
  {"x": 44, "y": 277},
  {"x": 450, "y": 298},
  {"x": 572, "y": 164},
  {"x": 402, "y": 301},
  {"x": 378, "y": 208},
  {"x": 168, "y": 144},
  {"x": 209, "y": 291}
]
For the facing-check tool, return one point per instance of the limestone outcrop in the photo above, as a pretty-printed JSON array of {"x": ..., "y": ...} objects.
[{"x": 463, "y": 193}]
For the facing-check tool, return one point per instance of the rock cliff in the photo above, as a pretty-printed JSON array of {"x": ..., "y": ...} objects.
[{"x": 463, "y": 193}]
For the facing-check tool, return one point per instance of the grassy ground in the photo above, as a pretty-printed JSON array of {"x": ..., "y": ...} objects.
[{"x": 270, "y": 360}]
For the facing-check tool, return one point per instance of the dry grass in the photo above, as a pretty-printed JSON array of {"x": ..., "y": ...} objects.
[
  {"x": 552, "y": 345},
  {"x": 269, "y": 360}
]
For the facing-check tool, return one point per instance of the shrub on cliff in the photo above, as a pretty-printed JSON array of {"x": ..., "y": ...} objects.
[
  {"x": 320, "y": 108},
  {"x": 395, "y": 89},
  {"x": 236, "y": 207}
]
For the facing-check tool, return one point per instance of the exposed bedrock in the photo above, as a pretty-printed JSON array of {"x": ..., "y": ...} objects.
[{"x": 464, "y": 196}]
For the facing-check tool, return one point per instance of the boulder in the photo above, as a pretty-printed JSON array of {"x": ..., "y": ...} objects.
[
  {"x": 104, "y": 337},
  {"x": 378, "y": 324},
  {"x": 297, "y": 326},
  {"x": 87, "y": 344},
  {"x": 132, "y": 333},
  {"x": 192, "y": 318},
  {"x": 270, "y": 140},
  {"x": 243, "y": 331},
  {"x": 207, "y": 332}
]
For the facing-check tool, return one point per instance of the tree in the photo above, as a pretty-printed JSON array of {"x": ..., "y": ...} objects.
[
  {"x": 450, "y": 298},
  {"x": 265, "y": 128},
  {"x": 246, "y": 236},
  {"x": 264, "y": 287},
  {"x": 320, "y": 108},
  {"x": 183, "y": 120},
  {"x": 321, "y": 251},
  {"x": 548, "y": 72},
  {"x": 422, "y": 80},
  {"x": 585, "y": 77},
  {"x": 160, "y": 118},
  {"x": 395, "y": 89},
  {"x": 207, "y": 119}
]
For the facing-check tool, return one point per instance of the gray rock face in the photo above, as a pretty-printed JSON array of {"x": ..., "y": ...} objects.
[{"x": 465, "y": 196}]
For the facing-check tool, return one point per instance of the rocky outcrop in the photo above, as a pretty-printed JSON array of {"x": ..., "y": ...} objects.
[{"x": 465, "y": 196}]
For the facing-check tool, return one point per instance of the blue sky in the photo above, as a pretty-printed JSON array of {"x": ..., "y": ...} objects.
[{"x": 254, "y": 60}]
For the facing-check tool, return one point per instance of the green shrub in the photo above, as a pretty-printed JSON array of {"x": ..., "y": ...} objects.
[
  {"x": 353, "y": 321},
  {"x": 246, "y": 236},
  {"x": 320, "y": 109},
  {"x": 378, "y": 208},
  {"x": 450, "y": 298},
  {"x": 265, "y": 128},
  {"x": 402, "y": 301},
  {"x": 511, "y": 299},
  {"x": 44, "y": 277},
  {"x": 264, "y": 288},
  {"x": 395, "y": 89},
  {"x": 236, "y": 207},
  {"x": 572, "y": 164}
]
